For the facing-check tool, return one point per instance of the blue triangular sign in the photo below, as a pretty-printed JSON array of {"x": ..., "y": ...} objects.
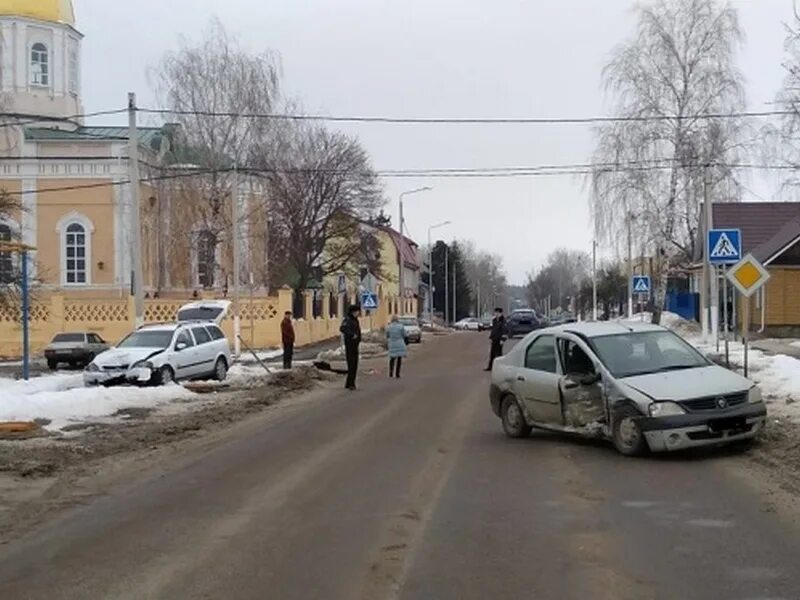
[{"x": 724, "y": 248}]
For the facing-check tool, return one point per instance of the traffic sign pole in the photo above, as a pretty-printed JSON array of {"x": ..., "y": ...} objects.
[
  {"x": 746, "y": 320},
  {"x": 725, "y": 315}
]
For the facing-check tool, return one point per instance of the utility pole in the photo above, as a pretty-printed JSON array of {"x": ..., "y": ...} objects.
[
  {"x": 137, "y": 282},
  {"x": 705, "y": 300},
  {"x": 455, "y": 296},
  {"x": 594, "y": 280},
  {"x": 446, "y": 286},
  {"x": 712, "y": 270},
  {"x": 237, "y": 259},
  {"x": 630, "y": 265}
]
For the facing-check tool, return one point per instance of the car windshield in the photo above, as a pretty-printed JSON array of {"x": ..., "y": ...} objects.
[
  {"x": 409, "y": 322},
  {"x": 643, "y": 353},
  {"x": 147, "y": 339},
  {"x": 68, "y": 337}
]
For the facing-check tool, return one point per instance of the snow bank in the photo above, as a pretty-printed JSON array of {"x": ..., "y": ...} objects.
[{"x": 62, "y": 400}]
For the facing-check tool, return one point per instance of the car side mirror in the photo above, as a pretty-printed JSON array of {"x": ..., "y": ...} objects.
[{"x": 180, "y": 346}]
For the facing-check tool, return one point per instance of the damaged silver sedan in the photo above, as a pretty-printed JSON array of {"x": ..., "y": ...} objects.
[{"x": 638, "y": 385}]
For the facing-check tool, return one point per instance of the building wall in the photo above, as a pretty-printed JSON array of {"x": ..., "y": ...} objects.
[{"x": 782, "y": 298}]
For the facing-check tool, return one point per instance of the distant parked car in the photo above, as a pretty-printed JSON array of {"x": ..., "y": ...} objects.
[
  {"x": 522, "y": 322},
  {"x": 192, "y": 348},
  {"x": 485, "y": 324},
  {"x": 74, "y": 349},
  {"x": 468, "y": 324},
  {"x": 413, "y": 329}
]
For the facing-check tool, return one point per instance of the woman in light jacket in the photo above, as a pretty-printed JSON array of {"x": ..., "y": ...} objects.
[{"x": 396, "y": 337}]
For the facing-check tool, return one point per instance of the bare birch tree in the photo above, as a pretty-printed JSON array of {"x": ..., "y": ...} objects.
[
  {"x": 783, "y": 139},
  {"x": 679, "y": 68},
  {"x": 214, "y": 87}
]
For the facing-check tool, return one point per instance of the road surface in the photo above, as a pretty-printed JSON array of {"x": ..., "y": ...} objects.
[{"x": 408, "y": 489}]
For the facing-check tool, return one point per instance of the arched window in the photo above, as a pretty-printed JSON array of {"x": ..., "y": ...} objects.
[
  {"x": 75, "y": 246},
  {"x": 40, "y": 65},
  {"x": 6, "y": 258}
]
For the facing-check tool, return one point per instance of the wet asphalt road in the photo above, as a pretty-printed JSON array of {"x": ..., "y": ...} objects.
[{"x": 410, "y": 490}]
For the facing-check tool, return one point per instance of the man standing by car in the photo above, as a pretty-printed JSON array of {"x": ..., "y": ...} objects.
[
  {"x": 497, "y": 336},
  {"x": 351, "y": 335},
  {"x": 287, "y": 337}
]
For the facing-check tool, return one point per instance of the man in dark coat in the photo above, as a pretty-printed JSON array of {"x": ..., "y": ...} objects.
[
  {"x": 287, "y": 337},
  {"x": 351, "y": 335},
  {"x": 497, "y": 336}
]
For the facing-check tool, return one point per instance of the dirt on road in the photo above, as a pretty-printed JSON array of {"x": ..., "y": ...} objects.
[{"x": 41, "y": 471}]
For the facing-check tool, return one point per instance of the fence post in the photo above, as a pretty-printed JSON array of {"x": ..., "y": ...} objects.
[
  {"x": 56, "y": 314},
  {"x": 326, "y": 306},
  {"x": 132, "y": 312},
  {"x": 285, "y": 296},
  {"x": 308, "y": 299}
]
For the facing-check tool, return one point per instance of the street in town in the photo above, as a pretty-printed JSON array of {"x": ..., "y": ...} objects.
[{"x": 409, "y": 489}]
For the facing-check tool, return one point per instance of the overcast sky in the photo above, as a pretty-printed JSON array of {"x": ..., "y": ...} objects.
[{"x": 447, "y": 58}]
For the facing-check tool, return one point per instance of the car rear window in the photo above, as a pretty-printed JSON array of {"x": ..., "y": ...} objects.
[
  {"x": 201, "y": 335},
  {"x": 199, "y": 313},
  {"x": 69, "y": 337},
  {"x": 216, "y": 333}
]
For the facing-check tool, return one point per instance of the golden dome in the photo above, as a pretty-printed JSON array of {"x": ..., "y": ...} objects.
[{"x": 54, "y": 11}]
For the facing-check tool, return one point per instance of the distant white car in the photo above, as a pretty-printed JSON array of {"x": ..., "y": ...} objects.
[
  {"x": 412, "y": 329},
  {"x": 468, "y": 324},
  {"x": 192, "y": 348}
]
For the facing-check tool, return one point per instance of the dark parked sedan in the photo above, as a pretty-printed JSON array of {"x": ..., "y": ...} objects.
[
  {"x": 74, "y": 349},
  {"x": 522, "y": 322}
]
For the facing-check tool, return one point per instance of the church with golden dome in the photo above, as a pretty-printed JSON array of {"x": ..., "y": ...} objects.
[{"x": 72, "y": 178}]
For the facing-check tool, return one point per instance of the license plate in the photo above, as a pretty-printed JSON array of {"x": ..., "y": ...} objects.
[
  {"x": 63, "y": 352},
  {"x": 733, "y": 423}
]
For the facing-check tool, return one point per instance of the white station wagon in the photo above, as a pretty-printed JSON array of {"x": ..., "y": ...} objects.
[
  {"x": 192, "y": 348},
  {"x": 640, "y": 386}
]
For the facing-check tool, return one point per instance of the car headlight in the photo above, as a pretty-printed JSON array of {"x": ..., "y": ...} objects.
[
  {"x": 143, "y": 364},
  {"x": 754, "y": 395},
  {"x": 665, "y": 409},
  {"x": 92, "y": 368}
]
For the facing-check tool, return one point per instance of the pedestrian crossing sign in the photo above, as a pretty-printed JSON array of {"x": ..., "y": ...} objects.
[
  {"x": 641, "y": 284},
  {"x": 724, "y": 246},
  {"x": 369, "y": 301}
]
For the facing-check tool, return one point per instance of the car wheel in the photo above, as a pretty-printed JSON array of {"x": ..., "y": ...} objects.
[
  {"x": 220, "y": 369},
  {"x": 514, "y": 423},
  {"x": 627, "y": 437},
  {"x": 165, "y": 376},
  {"x": 52, "y": 365}
]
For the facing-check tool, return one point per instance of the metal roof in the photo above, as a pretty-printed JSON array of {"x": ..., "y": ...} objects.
[{"x": 148, "y": 136}]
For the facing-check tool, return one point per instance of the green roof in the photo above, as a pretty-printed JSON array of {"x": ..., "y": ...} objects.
[{"x": 148, "y": 136}]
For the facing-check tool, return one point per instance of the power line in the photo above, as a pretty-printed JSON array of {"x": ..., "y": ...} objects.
[
  {"x": 452, "y": 173},
  {"x": 32, "y": 119},
  {"x": 464, "y": 120}
]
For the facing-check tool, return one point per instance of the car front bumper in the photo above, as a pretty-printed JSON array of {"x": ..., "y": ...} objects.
[
  {"x": 67, "y": 356},
  {"x": 667, "y": 434},
  {"x": 117, "y": 377}
]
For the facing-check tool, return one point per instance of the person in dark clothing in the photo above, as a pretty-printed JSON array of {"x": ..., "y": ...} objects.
[
  {"x": 287, "y": 338},
  {"x": 497, "y": 336},
  {"x": 351, "y": 334}
]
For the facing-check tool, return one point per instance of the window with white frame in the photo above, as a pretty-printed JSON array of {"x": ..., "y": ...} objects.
[
  {"x": 40, "y": 65},
  {"x": 6, "y": 258},
  {"x": 76, "y": 254},
  {"x": 74, "y": 71}
]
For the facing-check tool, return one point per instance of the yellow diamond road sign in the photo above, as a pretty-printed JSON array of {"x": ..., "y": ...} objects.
[{"x": 748, "y": 275}]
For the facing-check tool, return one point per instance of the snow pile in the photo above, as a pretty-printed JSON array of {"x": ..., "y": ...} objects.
[
  {"x": 366, "y": 350},
  {"x": 61, "y": 400}
]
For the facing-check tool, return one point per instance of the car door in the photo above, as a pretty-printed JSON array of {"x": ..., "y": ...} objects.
[
  {"x": 537, "y": 382},
  {"x": 581, "y": 384},
  {"x": 186, "y": 356},
  {"x": 206, "y": 351},
  {"x": 96, "y": 344}
]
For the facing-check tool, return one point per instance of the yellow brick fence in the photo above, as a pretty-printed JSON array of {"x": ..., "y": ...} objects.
[{"x": 114, "y": 318}]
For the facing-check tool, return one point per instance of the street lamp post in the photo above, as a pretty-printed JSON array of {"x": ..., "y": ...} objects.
[
  {"x": 430, "y": 266},
  {"x": 401, "y": 227}
]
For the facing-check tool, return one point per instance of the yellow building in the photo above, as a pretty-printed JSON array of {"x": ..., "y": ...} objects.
[{"x": 72, "y": 179}]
